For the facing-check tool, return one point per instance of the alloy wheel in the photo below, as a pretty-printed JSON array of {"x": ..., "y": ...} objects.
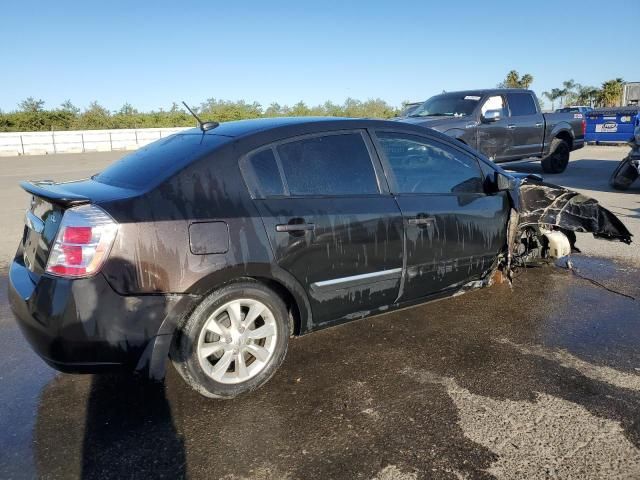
[{"x": 237, "y": 341}]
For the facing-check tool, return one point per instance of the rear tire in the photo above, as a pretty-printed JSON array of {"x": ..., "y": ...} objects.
[
  {"x": 558, "y": 159},
  {"x": 233, "y": 342}
]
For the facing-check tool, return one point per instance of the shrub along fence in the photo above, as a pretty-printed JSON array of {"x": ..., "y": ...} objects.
[{"x": 72, "y": 141}]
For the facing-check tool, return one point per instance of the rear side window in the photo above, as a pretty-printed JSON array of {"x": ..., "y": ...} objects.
[
  {"x": 420, "y": 165},
  {"x": 261, "y": 172},
  {"x": 521, "y": 104},
  {"x": 328, "y": 165}
]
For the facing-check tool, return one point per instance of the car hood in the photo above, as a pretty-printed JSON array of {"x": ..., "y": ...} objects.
[{"x": 433, "y": 122}]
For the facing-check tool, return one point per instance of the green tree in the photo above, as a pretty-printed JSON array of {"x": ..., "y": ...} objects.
[
  {"x": 611, "y": 93},
  {"x": 127, "y": 109},
  {"x": 553, "y": 95},
  {"x": 273, "y": 110},
  {"x": 586, "y": 95},
  {"x": 175, "y": 108},
  {"x": 96, "y": 116},
  {"x": 569, "y": 87},
  {"x": 332, "y": 110},
  {"x": 514, "y": 80},
  {"x": 69, "y": 107},
  {"x": 31, "y": 105},
  {"x": 300, "y": 109}
]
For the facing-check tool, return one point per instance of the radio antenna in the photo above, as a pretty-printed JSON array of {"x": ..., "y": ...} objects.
[{"x": 204, "y": 126}]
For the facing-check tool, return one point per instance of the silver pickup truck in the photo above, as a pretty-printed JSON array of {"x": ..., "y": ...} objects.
[{"x": 504, "y": 124}]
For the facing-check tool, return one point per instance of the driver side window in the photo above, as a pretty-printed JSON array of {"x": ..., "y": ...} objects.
[
  {"x": 494, "y": 103},
  {"x": 420, "y": 165}
]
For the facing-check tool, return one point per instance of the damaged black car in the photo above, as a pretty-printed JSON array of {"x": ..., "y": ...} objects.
[{"x": 212, "y": 247}]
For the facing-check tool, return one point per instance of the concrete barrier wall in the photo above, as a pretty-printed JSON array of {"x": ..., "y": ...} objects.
[{"x": 70, "y": 141}]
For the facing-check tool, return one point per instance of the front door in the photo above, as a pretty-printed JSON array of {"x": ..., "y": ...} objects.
[
  {"x": 329, "y": 223},
  {"x": 454, "y": 230},
  {"x": 495, "y": 139}
]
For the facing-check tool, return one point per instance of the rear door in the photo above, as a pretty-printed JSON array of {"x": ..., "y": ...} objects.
[
  {"x": 526, "y": 124},
  {"x": 331, "y": 222},
  {"x": 454, "y": 230}
]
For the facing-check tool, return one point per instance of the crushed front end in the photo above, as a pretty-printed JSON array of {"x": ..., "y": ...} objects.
[{"x": 546, "y": 217}]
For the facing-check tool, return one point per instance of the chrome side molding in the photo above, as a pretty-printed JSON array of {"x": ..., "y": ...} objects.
[{"x": 355, "y": 280}]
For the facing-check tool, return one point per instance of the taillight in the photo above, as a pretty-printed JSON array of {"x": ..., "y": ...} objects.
[
  {"x": 584, "y": 127},
  {"x": 83, "y": 242}
]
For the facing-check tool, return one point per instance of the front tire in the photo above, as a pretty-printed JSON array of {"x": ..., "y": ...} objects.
[
  {"x": 234, "y": 341},
  {"x": 558, "y": 159}
]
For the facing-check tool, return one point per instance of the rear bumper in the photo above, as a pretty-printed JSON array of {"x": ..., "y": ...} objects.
[{"x": 84, "y": 326}]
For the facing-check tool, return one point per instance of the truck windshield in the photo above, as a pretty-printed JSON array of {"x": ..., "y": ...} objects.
[{"x": 449, "y": 105}]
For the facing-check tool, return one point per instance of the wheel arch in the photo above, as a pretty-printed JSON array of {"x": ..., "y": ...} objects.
[
  {"x": 566, "y": 136},
  {"x": 562, "y": 134},
  {"x": 156, "y": 354}
]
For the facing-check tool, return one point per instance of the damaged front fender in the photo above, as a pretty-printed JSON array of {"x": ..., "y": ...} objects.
[{"x": 544, "y": 205}]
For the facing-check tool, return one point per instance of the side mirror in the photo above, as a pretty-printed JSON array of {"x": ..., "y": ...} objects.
[
  {"x": 504, "y": 182},
  {"x": 491, "y": 116}
]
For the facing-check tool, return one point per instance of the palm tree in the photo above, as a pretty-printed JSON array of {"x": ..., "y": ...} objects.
[
  {"x": 562, "y": 94},
  {"x": 569, "y": 89},
  {"x": 586, "y": 95},
  {"x": 553, "y": 95},
  {"x": 526, "y": 80},
  {"x": 514, "y": 80},
  {"x": 611, "y": 92}
]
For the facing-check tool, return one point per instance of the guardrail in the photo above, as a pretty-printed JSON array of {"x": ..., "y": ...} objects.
[{"x": 77, "y": 141}]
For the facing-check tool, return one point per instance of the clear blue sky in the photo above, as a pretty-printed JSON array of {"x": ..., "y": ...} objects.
[{"x": 152, "y": 53}]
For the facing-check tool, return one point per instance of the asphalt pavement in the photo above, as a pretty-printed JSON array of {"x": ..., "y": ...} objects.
[{"x": 540, "y": 379}]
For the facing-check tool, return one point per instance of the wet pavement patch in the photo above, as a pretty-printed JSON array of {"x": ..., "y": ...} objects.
[{"x": 537, "y": 380}]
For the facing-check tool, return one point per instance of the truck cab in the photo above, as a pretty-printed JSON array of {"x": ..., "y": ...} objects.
[{"x": 504, "y": 124}]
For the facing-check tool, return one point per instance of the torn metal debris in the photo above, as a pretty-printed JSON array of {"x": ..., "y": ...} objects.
[{"x": 548, "y": 206}]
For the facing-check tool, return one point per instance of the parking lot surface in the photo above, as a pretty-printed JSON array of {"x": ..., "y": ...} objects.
[{"x": 540, "y": 379}]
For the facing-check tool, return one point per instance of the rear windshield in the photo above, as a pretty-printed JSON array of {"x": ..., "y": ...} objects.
[{"x": 158, "y": 161}]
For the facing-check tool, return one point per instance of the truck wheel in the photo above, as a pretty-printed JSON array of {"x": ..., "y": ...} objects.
[
  {"x": 558, "y": 159},
  {"x": 234, "y": 341}
]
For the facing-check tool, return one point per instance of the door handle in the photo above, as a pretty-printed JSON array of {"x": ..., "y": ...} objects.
[
  {"x": 294, "y": 227},
  {"x": 421, "y": 221},
  {"x": 539, "y": 124},
  {"x": 511, "y": 126}
]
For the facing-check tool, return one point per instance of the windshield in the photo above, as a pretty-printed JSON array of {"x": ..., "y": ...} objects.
[{"x": 449, "y": 105}]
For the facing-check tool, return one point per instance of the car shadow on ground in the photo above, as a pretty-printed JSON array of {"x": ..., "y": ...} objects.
[
  {"x": 107, "y": 426},
  {"x": 424, "y": 390}
]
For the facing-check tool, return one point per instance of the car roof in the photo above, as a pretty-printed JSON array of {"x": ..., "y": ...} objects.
[
  {"x": 243, "y": 128},
  {"x": 261, "y": 131},
  {"x": 486, "y": 91},
  {"x": 267, "y": 130}
]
